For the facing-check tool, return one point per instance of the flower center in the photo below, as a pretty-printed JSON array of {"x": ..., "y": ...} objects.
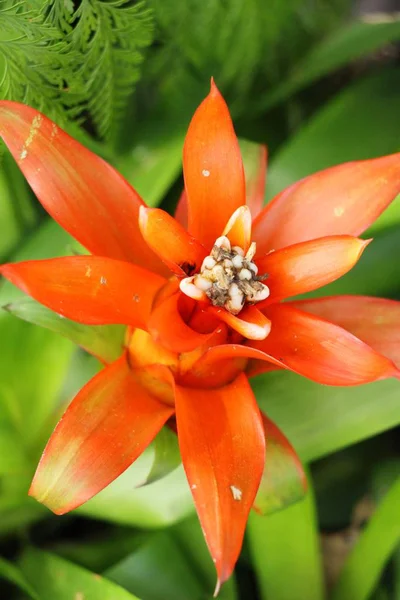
[{"x": 227, "y": 277}]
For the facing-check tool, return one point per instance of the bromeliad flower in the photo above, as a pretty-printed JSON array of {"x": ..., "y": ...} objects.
[{"x": 201, "y": 296}]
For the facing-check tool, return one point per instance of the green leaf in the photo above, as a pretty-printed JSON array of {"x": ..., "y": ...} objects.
[
  {"x": 166, "y": 455},
  {"x": 18, "y": 512},
  {"x": 159, "y": 569},
  {"x": 285, "y": 553},
  {"x": 12, "y": 574},
  {"x": 53, "y": 577},
  {"x": 157, "y": 505},
  {"x": 12, "y": 454},
  {"x": 190, "y": 539},
  {"x": 343, "y": 46},
  {"x": 250, "y": 152},
  {"x": 31, "y": 374},
  {"x": 16, "y": 212},
  {"x": 209, "y": 37},
  {"x": 32, "y": 369},
  {"x": 154, "y": 163},
  {"x": 363, "y": 121},
  {"x": 397, "y": 573},
  {"x": 103, "y": 549},
  {"x": 103, "y": 341},
  {"x": 19, "y": 193},
  {"x": 254, "y": 162},
  {"x": 381, "y": 594},
  {"x": 361, "y": 572},
  {"x": 283, "y": 481},
  {"x": 384, "y": 474},
  {"x": 321, "y": 419},
  {"x": 180, "y": 558},
  {"x": 13, "y": 457}
]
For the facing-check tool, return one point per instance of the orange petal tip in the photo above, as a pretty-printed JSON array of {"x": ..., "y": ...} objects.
[
  {"x": 363, "y": 245},
  {"x": 143, "y": 216},
  {"x": 238, "y": 228},
  {"x": 217, "y": 588},
  {"x": 257, "y": 332}
]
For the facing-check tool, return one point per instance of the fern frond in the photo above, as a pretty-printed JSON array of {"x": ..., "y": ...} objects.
[
  {"x": 109, "y": 36},
  {"x": 35, "y": 62},
  {"x": 59, "y": 14},
  {"x": 73, "y": 63}
]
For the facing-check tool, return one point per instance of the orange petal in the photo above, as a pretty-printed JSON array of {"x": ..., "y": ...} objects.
[
  {"x": 83, "y": 193},
  {"x": 256, "y": 176},
  {"x": 250, "y": 322},
  {"x": 179, "y": 250},
  {"x": 221, "y": 439},
  {"x": 106, "y": 427},
  {"x": 375, "y": 321},
  {"x": 255, "y": 170},
  {"x": 284, "y": 481},
  {"x": 222, "y": 363},
  {"x": 157, "y": 380},
  {"x": 213, "y": 169},
  {"x": 188, "y": 359},
  {"x": 320, "y": 350},
  {"x": 169, "y": 329},
  {"x": 88, "y": 289},
  {"x": 342, "y": 200},
  {"x": 238, "y": 228},
  {"x": 143, "y": 351},
  {"x": 202, "y": 320},
  {"x": 258, "y": 367},
  {"x": 309, "y": 265}
]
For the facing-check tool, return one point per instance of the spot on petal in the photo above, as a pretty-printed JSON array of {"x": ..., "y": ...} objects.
[
  {"x": 236, "y": 493},
  {"x": 379, "y": 320},
  {"x": 35, "y": 126},
  {"x": 103, "y": 280},
  {"x": 54, "y": 132},
  {"x": 338, "y": 211},
  {"x": 193, "y": 487},
  {"x": 205, "y": 173},
  {"x": 88, "y": 271}
]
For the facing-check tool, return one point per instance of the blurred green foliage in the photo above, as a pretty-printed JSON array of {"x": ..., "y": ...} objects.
[{"x": 318, "y": 85}]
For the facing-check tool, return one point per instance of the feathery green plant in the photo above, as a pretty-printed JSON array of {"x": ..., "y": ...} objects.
[{"x": 73, "y": 60}]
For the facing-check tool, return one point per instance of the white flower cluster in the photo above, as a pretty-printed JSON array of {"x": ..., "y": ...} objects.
[{"x": 228, "y": 277}]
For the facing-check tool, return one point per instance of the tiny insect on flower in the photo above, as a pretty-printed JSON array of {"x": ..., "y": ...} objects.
[{"x": 201, "y": 296}]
